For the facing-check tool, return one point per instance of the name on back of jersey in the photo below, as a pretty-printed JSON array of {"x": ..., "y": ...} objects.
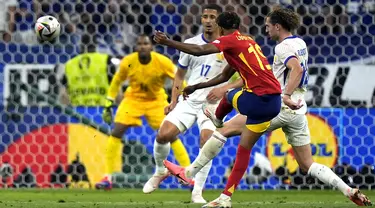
[{"x": 302, "y": 52}]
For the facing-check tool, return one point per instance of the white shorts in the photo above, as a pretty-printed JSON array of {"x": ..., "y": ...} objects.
[
  {"x": 185, "y": 114},
  {"x": 295, "y": 127}
]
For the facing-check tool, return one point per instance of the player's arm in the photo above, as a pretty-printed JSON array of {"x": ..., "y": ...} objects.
[
  {"x": 236, "y": 84},
  {"x": 113, "y": 89},
  {"x": 295, "y": 77},
  {"x": 221, "y": 78},
  {"x": 219, "y": 92},
  {"x": 178, "y": 84},
  {"x": 177, "y": 76},
  {"x": 193, "y": 49},
  {"x": 112, "y": 65},
  {"x": 119, "y": 77},
  {"x": 178, "y": 79}
]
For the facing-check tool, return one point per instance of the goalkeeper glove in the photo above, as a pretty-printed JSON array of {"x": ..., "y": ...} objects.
[{"x": 107, "y": 111}]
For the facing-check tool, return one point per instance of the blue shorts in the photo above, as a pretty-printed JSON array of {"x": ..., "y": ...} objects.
[{"x": 260, "y": 110}]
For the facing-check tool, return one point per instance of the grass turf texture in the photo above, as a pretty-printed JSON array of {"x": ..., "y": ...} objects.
[{"x": 172, "y": 198}]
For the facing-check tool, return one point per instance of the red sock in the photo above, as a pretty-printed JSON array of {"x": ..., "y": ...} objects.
[
  {"x": 239, "y": 169},
  {"x": 223, "y": 108}
]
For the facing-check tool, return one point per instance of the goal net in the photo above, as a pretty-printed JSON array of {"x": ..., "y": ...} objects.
[{"x": 48, "y": 143}]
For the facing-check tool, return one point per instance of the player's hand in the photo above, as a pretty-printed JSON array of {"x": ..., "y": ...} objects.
[
  {"x": 107, "y": 111},
  {"x": 188, "y": 90},
  {"x": 160, "y": 37},
  {"x": 169, "y": 107},
  {"x": 216, "y": 94},
  {"x": 291, "y": 104}
]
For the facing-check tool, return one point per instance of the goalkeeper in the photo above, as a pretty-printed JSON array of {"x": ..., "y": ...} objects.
[{"x": 146, "y": 72}]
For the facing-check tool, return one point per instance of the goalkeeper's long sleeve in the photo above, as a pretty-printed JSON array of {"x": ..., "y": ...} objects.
[
  {"x": 118, "y": 78},
  {"x": 114, "y": 87}
]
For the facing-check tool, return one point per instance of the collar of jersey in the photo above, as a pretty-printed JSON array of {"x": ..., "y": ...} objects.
[
  {"x": 291, "y": 37},
  {"x": 204, "y": 39}
]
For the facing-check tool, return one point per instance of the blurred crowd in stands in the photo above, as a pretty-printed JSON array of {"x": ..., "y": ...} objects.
[{"x": 114, "y": 24}]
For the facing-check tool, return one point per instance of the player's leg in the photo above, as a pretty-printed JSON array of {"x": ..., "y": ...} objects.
[
  {"x": 201, "y": 177},
  {"x": 171, "y": 126},
  {"x": 216, "y": 141},
  {"x": 247, "y": 141},
  {"x": 210, "y": 149},
  {"x": 326, "y": 175},
  {"x": 260, "y": 111},
  {"x": 206, "y": 129},
  {"x": 219, "y": 137},
  {"x": 127, "y": 115},
  {"x": 168, "y": 134},
  {"x": 155, "y": 116},
  {"x": 298, "y": 136},
  {"x": 217, "y": 114}
]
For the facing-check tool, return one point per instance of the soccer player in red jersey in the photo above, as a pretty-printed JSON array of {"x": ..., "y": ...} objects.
[{"x": 259, "y": 99}]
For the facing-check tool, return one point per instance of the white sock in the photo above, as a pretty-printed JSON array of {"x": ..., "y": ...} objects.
[
  {"x": 161, "y": 152},
  {"x": 223, "y": 196},
  {"x": 201, "y": 177},
  {"x": 327, "y": 176},
  {"x": 209, "y": 150}
]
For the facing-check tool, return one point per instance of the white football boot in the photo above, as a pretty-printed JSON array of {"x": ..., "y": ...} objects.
[
  {"x": 219, "y": 202},
  {"x": 209, "y": 110},
  {"x": 154, "y": 182},
  {"x": 197, "y": 198}
]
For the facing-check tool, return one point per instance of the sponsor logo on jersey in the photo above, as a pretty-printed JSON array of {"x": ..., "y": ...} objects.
[
  {"x": 274, "y": 59},
  {"x": 323, "y": 144},
  {"x": 220, "y": 57}
]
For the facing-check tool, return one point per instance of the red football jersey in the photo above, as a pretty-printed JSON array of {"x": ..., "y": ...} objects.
[{"x": 246, "y": 57}]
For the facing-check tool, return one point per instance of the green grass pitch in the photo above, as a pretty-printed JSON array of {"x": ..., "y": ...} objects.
[{"x": 169, "y": 199}]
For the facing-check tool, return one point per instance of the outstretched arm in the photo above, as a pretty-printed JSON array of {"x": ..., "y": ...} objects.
[
  {"x": 193, "y": 49},
  {"x": 223, "y": 77},
  {"x": 219, "y": 92}
]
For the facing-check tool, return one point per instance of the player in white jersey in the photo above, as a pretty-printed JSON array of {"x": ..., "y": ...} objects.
[
  {"x": 182, "y": 114},
  {"x": 290, "y": 68}
]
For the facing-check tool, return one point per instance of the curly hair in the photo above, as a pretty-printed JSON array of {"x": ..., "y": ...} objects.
[
  {"x": 287, "y": 18},
  {"x": 229, "y": 20}
]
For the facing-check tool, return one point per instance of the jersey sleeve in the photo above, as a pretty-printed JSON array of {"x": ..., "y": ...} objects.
[
  {"x": 118, "y": 78},
  {"x": 183, "y": 61},
  {"x": 285, "y": 52},
  {"x": 169, "y": 67},
  {"x": 222, "y": 43}
]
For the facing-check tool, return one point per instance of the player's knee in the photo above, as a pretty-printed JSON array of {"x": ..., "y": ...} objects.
[
  {"x": 165, "y": 136},
  {"x": 119, "y": 130},
  {"x": 230, "y": 130},
  {"x": 167, "y": 133}
]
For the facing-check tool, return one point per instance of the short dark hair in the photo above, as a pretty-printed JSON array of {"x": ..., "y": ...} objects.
[
  {"x": 229, "y": 20},
  {"x": 213, "y": 7},
  {"x": 287, "y": 18},
  {"x": 144, "y": 36}
]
